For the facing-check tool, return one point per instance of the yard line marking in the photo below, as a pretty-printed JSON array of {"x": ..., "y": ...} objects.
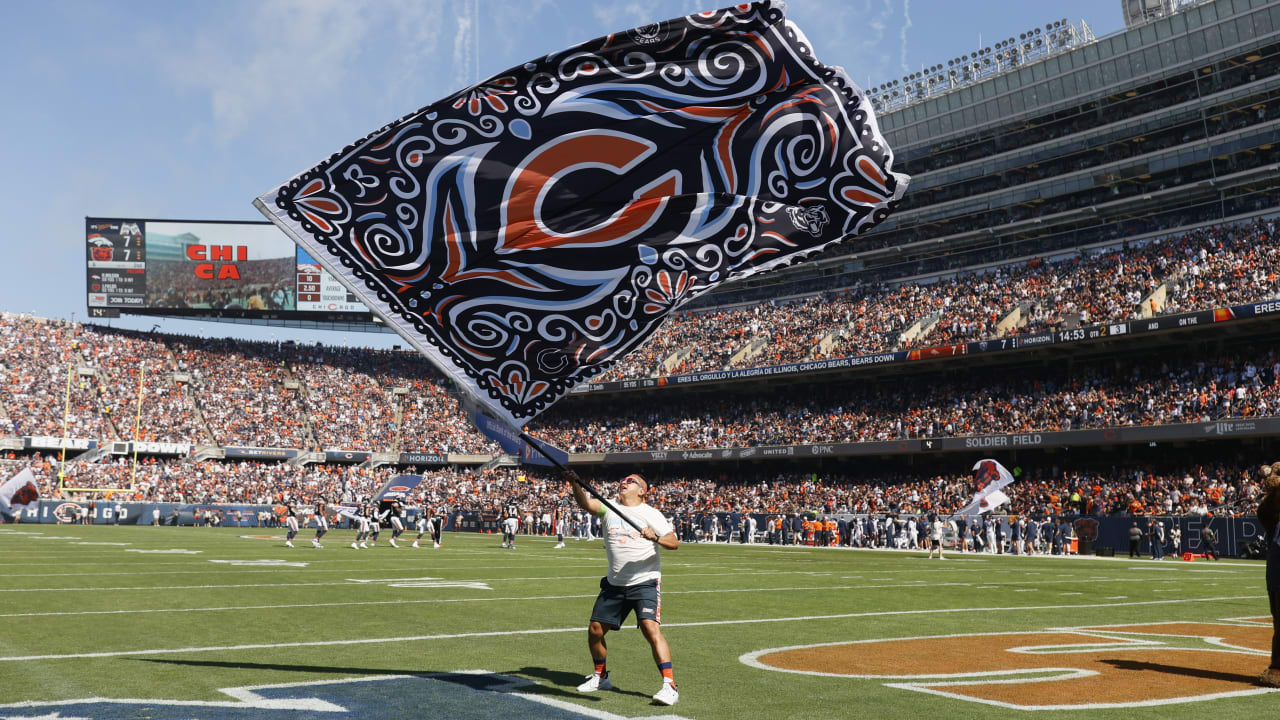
[
  {"x": 207, "y": 571},
  {"x": 578, "y": 629},
  {"x": 516, "y": 598},
  {"x": 593, "y": 576}
]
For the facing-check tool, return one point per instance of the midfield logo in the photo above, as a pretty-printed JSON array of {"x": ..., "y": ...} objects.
[{"x": 1111, "y": 666}]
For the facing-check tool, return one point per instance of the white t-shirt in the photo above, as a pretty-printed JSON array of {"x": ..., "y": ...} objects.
[{"x": 632, "y": 558}]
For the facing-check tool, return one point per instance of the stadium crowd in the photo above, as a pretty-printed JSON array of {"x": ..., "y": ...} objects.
[
  {"x": 1202, "y": 269},
  {"x": 240, "y": 393},
  {"x": 1132, "y": 490},
  {"x": 1112, "y": 393}
]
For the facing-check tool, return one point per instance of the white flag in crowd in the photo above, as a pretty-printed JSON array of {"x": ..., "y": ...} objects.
[
  {"x": 347, "y": 511},
  {"x": 20, "y": 491},
  {"x": 990, "y": 478}
]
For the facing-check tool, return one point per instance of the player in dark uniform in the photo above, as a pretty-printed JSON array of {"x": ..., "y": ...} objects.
[
  {"x": 421, "y": 524},
  {"x": 510, "y": 523},
  {"x": 397, "y": 521},
  {"x": 322, "y": 524},
  {"x": 375, "y": 525},
  {"x": 394, "y": 515},
  {"x": 291, "y": 522},
  {"x": 437, "y": 525}
]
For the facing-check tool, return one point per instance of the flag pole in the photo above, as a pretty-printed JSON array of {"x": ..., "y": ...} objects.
[
  {"x": 137, "y": 425},
  {"x": 66, "y": 417},
  {"x": 580, "y": 482}
]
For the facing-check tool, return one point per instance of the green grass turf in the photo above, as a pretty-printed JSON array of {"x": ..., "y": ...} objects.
[{"x": 68, "y": 592}]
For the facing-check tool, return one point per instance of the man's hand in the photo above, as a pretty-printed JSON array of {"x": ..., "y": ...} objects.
[
  {"x": 589, "y": 504},
  {"x": 649, "y": 534}
]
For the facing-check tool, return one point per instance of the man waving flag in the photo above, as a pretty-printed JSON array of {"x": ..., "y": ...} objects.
[{"x": 530, "y": 231}]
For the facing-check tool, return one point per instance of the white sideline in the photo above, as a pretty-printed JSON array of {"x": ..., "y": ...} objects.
[{"x": 579, "y": 629}]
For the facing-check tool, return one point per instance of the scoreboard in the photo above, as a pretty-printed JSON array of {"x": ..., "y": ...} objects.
[
  {"x": 205, "y": 268},
  {"x": 116, "y": 253}
]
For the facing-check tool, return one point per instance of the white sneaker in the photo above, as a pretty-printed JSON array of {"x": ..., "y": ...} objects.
[
  {"x": 415, "y": 544},
  {"x": 288, "y": 543},
  {"x": 364, "y": 545},
  {"x": 317, "y": 546},
  {"x": 559, "y": 545},
  {"x": 393, "y": 543},
  {"x": 437, "y": 545},
  {"x": 668, "y": 695},
  {"x": 315, "y": 543},
  {"x": 595, "y": 682},
  {"x": 355, "y": 546}
]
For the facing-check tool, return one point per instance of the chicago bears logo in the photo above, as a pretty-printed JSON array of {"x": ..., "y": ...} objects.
[
  {"x": 986, "y": 474},
  {"x": 1114, "y": 666},
  {"x": 1086, "y": 529},
  {"x": 811, "y": 219},
  {"x": 650, "y": 34},
  {"x": 66, "y": 512}
]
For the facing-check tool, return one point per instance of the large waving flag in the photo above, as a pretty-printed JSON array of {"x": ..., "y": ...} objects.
[
  {"x": 990, "y": 478},
  {"x": 18, "y": 492},
  {"x": 530, "y": 231}
]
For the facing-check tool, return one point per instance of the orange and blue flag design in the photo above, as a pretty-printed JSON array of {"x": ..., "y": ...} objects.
[{"x": 530, "y": 231}]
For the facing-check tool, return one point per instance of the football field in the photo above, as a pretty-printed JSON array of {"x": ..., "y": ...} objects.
[{"x": 141, "y": 622}]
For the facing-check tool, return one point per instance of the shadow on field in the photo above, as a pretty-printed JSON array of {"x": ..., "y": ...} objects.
[
  {"x": 562, "y": 684},
  {"x": 1184, "y": 671},
  {"x": 559, "y": 678}
]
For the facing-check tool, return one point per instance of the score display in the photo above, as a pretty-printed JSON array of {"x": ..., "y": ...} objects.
[
  {"x": 207, "y": 268},
  {"x": 116, "y": 254}
]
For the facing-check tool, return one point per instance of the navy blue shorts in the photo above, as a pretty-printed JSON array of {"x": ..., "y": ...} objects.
[{"x": 615, "y": 603}]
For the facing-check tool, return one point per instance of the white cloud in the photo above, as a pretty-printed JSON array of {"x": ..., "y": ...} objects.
[
  {"x": 420, "y": 26},
  {"x": 621, "y": 17},
  {"x": 906, "y": 25},
  {"x": 284, "y": 57}
]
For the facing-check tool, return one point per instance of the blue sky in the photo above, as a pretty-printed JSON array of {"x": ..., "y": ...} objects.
[{"x": 192, "y": 109}]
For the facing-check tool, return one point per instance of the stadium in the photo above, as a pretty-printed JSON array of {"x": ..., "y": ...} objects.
[{"x": 1082, "y": 283}]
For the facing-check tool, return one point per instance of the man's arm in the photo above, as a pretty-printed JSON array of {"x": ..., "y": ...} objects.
[{"x": 585, "y": 501}]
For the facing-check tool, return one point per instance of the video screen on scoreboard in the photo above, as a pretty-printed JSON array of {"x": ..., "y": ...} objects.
[{"x": 183, "y": 267}]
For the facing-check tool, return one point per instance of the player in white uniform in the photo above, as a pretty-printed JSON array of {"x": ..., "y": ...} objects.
[
  {"x": 358, "y": 521},
  {"x": 560, "y": 528},
  {"x": 634, "y": 581},
  {"x": 935, "y": 536},
  {"x": 509, "y": 528}
]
